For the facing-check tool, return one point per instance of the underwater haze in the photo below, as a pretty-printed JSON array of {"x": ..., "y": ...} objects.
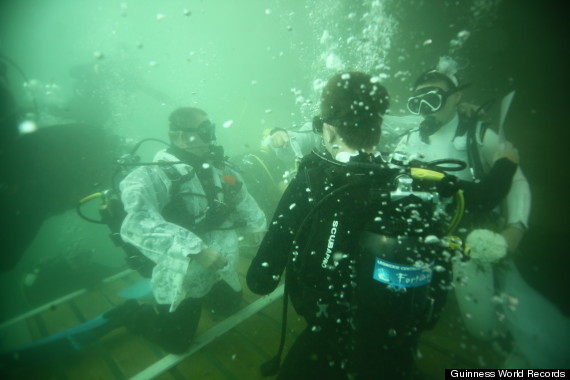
[{"x": 121, "y": 67}]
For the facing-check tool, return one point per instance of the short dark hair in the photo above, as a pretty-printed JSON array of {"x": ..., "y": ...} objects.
[
  {"x": 435, "y": 76},
  {"x": 185, "y": 118},
  {"x": 354, "y": 103}
]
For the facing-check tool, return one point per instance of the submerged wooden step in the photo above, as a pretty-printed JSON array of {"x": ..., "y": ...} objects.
[{"x": 231, "y": 348}]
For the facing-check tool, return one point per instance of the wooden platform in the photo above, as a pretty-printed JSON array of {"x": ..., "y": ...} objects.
[{"x": 232, "y": 348}]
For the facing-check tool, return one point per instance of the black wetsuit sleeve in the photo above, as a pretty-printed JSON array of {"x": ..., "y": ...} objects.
[
  {"x": 267, "y": 266},
  {"x": 485, "y": 195}
]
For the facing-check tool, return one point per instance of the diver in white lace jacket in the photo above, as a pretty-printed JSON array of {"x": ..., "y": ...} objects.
[{"x": 187, "y": 218}]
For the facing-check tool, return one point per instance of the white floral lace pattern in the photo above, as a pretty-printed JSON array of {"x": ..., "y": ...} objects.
[{"x": 145, "y": 192}]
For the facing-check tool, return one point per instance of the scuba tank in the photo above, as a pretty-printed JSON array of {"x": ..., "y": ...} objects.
[
  {"x": 112, "y": 214},
  {"x": 377, "y": 237}
]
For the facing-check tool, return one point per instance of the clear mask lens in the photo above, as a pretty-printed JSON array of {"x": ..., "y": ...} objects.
[
  {"x": 427, "y": 102},
  {"x": 204, "y": 132}
]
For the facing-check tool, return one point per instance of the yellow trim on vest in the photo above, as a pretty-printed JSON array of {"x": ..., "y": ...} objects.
[{"x": 430, "y": 175}]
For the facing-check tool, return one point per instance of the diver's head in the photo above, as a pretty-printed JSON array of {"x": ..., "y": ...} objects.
[
  {"x": 191, "y": 130},
  {"x": 352, "y": 106},
  {"x": 436, "y": 94}
]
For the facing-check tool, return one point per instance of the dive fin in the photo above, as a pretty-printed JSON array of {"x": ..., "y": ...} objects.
[{"x": 64, "y": 343}]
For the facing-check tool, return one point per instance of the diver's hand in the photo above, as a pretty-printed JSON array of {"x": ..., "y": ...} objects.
[
  {"x": 279, "y": 139},
  {"x": 211, "y": 259}
]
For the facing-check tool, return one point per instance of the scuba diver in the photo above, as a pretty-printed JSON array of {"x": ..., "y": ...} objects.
[
  {"x": 265, "y": 174},
  {"x": 445, "y": 132},
  {"x": 186, "y": 215},
  {"x": 368, "y": 264},
  {"x": 183, "y": 218},
  {"x": 494, "y": 300},
  {"x": 290, "y": 145}
]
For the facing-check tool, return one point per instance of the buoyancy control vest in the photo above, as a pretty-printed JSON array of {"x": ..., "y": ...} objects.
[
  {"x": 474, "y": 129},
  {"x": 221, "y": 197},
  {"x": 372, "y": 243}
]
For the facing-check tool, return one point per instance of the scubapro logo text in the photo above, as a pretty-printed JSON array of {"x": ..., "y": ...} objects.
[{"x": 330, "y": 243}]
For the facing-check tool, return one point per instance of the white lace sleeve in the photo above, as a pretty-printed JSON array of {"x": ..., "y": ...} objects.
[{"x": 144, "y": 193}]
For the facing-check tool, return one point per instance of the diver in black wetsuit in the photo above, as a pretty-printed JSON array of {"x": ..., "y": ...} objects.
[{"x": 361, "y": 241}]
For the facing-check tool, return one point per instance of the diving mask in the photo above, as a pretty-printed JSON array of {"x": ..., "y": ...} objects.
[
  {"x": 206, "y": 131},
  {"x": 428, "y": 100}
]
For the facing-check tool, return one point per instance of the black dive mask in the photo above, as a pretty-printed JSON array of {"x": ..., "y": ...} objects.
[{"x": 206, "y": 131}]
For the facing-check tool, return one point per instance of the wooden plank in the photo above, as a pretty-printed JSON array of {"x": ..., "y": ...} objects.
[
  {"x": 248, "y": 295},
  {"x": 29, "y": 373},
  {"x": 451, "y": 338},
  {"x": 235, "y": 357},
  {"x": 89, "y": 364},
  {"x": 295, "y": 323},
  {"x": 170, "y": 376},
  {"x": 239, "y": 352},
  {"x": 92, "y": 304},
  {"x": 19, "y": 334},
  {"x": 263, "y": 332},
  {"x": 59, "y": 318},
  {"x": 62, "y": 300},
  {"x": 131, "y": 352},
  {"x": 206, "y": 322},
  {"x": 204, "y": 339},
  {"x": 197, "y": 366}
]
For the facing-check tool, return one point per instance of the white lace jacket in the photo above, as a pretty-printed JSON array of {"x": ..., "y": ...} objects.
[{"x": 145, "y": 192}]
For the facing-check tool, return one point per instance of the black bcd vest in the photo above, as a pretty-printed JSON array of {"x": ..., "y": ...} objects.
[{"x": 359, "y": 239}]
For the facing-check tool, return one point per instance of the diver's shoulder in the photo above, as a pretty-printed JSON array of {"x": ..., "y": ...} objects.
[
  {"x": 309, "y": 160},
  {"x": 314, "y": 160}
]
